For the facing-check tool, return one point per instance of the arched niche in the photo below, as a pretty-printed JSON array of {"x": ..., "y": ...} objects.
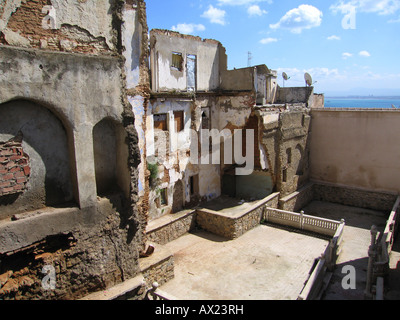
[
  {"x": 45, "y": 142},
  {"x": 111, "y": 158}
]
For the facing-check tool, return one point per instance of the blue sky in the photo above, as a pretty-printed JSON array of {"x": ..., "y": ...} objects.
[{"x": 350, "y": 47}]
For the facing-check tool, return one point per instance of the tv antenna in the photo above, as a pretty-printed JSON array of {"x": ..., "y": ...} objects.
[
  {"x": 308, "y": 79},
  {"x": 249, "y": 59},
  {"x": 285, "y": 78}
]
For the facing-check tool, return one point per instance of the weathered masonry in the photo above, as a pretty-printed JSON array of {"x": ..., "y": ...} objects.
[
  {"x": 192, "y": 93},
  {"x": 68, "y": 146},
  {"x": 97, "y": 138}
]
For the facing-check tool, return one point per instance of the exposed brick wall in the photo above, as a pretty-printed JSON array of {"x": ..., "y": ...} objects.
[
  {"x": 27, "y": 21},
  {"x": 14, "y": 168}
]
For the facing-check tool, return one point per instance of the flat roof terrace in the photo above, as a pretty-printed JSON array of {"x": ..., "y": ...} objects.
[{"x": 265, "y": 263}]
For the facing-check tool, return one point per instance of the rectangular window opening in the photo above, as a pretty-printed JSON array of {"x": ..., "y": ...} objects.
[
  {"x": 177, "y": 61},
  {"x": 160, "y": 122},
  {"x": 163, "y": 197},
  {"x": 179, "y": 121}
]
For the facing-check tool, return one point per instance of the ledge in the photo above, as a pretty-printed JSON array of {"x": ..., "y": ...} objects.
[{"x": 117, "y": 291}]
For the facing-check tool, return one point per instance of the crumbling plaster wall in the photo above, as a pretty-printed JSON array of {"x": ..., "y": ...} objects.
[
  {"x": 59, "y": 25},
  {"x": 295, "y": 95},
  {"x": 97, "y": 244},
  {"x": 285, "y": 138},
  {"x": 177, "y": 166},
  {"x": 64, "y": 84},
  {"x": 166, "y": 78}
]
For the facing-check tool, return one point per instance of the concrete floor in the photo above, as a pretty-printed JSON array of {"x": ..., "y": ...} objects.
[
  {"x": 266, "y": 263},
  {"x": 269, "y": 263},
  {"x": 356, "y": 241}
]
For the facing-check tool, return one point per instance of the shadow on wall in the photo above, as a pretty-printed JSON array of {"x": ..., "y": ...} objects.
[
  {"x": 45, "y": 142},
  {"x": 111, "y": 158}
]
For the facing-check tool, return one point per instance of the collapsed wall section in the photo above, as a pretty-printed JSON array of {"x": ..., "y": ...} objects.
[{"x": 59, "y": 25}]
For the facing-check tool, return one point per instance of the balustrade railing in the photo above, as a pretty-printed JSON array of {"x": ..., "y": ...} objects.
[
  {"x": 302, "y": 221},
  {"x": 379, "y": 254}
]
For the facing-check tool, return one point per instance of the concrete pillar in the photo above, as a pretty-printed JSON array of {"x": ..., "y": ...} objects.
[
  {"x": 371, "y": 260},
  {"x": 84, "y": 163}
]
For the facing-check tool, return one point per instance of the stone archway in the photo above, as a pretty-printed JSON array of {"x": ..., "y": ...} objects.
[{"x": 39, "y": 135}]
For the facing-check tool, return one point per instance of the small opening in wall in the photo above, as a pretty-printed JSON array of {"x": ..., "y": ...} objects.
[
  {"x": 179, "y": 121},
  {"x": 194, "y": 185},
  {"x": 163, "y": 197},
  {"x": 177, "y": 61},
  {"x": 160, "y": 121},
  {"x": 289, "y": 155},
  {"x": 284, "y": 175}
]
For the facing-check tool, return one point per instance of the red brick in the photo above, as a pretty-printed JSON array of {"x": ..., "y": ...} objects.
[
  {"x": 5, "y": 184},
  {"x": 5, "y": 152},
  {"x": 22, "y": 161},
  {"x": 7, "y": 190},
  {"x": 15, "y": 157},
  {"x": 21, "y": 180},
  {"x": 19, "y": 174},
  {"x": 27, "y": 170},
  {"x": 15, "y": 169},
  {"x": 10, "y": 165},
  {"x": 3, "y": 159},
  {"x": 18, "y": 187},
  {"x": 8, "y": 176}
]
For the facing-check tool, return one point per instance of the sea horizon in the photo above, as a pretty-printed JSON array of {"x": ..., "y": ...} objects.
[{"x": 370, "y": 102}]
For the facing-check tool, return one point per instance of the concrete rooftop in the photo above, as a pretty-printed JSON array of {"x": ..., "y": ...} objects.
[
  {"x": 270, "y": 263},
  {"x": 265, "y": 263}
]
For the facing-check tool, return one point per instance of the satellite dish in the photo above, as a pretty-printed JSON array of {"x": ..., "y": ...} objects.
[
  {"x": 285, "y": 76},
  {"x": 308, "y": 79}
]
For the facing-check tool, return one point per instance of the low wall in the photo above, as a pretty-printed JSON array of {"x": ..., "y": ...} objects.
[
  {"x": 177, "y": 226},
  {"x": 313, "y": 288},
  {"x": 233, "y": 226},
  {"x": 297, "y": 200},
  {"x": 354, "y": 197},
  {"x": 337, "y": 194}
]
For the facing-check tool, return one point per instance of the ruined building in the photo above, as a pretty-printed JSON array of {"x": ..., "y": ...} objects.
[
  {"x": 192, "y": 93},
  {"x": 113, "y": 139},
  {"x": 69, "y": 203}
]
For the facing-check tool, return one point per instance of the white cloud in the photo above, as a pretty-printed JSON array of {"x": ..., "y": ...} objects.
[
  {"x": 268, "y": 40},
  {"x": 188, "y": 28},
  {"x": 320, "y": 75},
  {"x": 241, "y": 2},
  {"x": 215, "y": 15},
  {"x": 333, "y": 37},
  {"x": 255, "y": 10},
  {"x": 346, "y": 55},
  {"x": 364, "y": 54},
  {"x": 382, "y": 7},
  {"x": 298, "y": 19}
]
